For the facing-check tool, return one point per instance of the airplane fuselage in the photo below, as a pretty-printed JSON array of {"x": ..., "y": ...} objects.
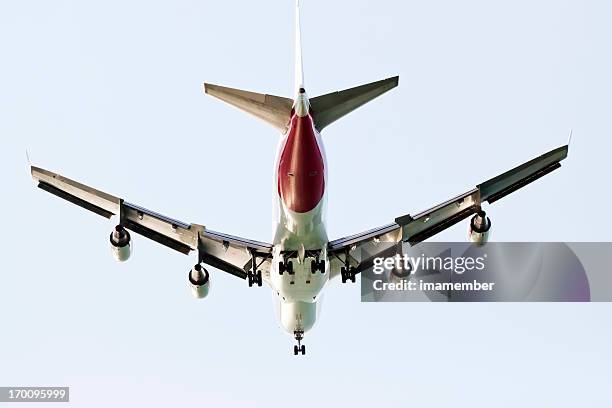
[{"x": 300, "y": 236}]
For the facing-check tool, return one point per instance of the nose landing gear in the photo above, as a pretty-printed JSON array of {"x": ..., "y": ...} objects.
[{"x": 299, "y": 348}]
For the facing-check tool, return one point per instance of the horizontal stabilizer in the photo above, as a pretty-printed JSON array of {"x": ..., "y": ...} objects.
[
  {"x": 331, "y": 107},
  {"x": 274, "y": 110}
]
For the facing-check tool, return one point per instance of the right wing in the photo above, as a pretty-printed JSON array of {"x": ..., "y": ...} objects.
[
  {"x": 361, "y": 249},
  {"x": 225, "y": 252}
]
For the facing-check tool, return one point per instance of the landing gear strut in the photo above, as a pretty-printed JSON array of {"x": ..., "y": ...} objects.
[
  {"x": 254, "y": 276},
  {"x": 299, "y": 348},
  {"x": 347, "y": 272}
]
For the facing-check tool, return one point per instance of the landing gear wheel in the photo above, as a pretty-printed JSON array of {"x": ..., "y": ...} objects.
[
  {"x": 285, "y": 267},
  {"x": 317, "y": 266},
  {"x": 254, "y": 278},
  {"x": 299, "y": 348},
  {"x": 348, "y": 274}
]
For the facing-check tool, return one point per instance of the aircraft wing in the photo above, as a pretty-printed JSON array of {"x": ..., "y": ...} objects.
[
  {"x": 225, "y": 252},
  {"x": 362, "y": 248}
]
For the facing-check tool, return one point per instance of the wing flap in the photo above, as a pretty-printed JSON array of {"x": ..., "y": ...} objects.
[
  {"x": 494, "y": 196},
  {"x": 84, "y": 196},
  {"x": 429, "y": 222},
  {"x": 157, "y": 237},
  {"x": 164, "y": 230},
  {"x": 522, "y": 175},
  {"x": 74, "y": 199}
]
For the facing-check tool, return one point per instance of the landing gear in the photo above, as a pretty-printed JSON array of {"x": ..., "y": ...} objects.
[
  {"x": 254, "y": 278},
  {"x": 299, "y": 348},
  {"x": 317, "y": 266},
  {"x": 348, "y": 274},
  {"x": 285, "y": 266}
]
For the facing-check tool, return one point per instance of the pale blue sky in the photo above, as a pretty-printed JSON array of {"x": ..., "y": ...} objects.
[{"x": 109, "y": 93}]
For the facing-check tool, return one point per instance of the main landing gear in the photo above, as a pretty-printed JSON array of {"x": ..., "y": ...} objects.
[
  {"x": 347, "y": 272},
  {"x": 317, "y": 266},
  {"x": 285, "y": 266},
  {"x": 254, "y": 275},
  {"x": 299, "y": 348},
  {"x": 254, "y": 278}
]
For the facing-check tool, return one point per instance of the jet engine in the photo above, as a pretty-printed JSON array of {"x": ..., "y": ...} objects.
[
  {"x": 480, "y": 226},
  {"x": 199, "y": 280},
  {"x": 121, "y": 243}
]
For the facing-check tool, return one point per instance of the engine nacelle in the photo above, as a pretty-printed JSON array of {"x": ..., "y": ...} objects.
[
  {"x": 199, "y": 280},
  {"x": 478, "y": 231},
  {"x": 121, "y": 243}
]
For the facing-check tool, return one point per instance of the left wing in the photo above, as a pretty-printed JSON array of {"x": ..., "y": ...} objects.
[
  {"x": 225, "y": 252},
  {"x": 360, "y": 250}
]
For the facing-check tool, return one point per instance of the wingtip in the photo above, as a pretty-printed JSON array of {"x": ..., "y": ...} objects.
[{"x": 30, "y": 167}]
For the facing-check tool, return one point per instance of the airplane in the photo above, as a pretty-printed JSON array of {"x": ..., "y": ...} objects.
[{"x": 301, "y": 260}]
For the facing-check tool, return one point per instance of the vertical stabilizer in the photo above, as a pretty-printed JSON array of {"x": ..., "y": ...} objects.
[{"x": 299, "y": 66}]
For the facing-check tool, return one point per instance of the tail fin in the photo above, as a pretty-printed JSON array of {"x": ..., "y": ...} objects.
[
  {"x": 274, "y": 110},
  {"x": 331, "y": 107},
  {"x": 299, "y": 66}
]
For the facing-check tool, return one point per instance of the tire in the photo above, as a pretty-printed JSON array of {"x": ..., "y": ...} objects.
[
  {"x": 295, "y": 350},
  {"x": 303, "y": 350},
  {"x": 259, "y": 280},
  {"x": 313, "y": 266},
  {"x": 343, "y": 274},
  {"x": 322, "y": 266},
  {"x": 290, "y": 267}
]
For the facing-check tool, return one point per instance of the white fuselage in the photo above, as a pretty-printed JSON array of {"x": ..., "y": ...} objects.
[{"x": 299, "y": 221}]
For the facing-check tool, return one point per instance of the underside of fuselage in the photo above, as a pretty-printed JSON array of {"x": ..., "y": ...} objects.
[{"x": 300, "y": 269}]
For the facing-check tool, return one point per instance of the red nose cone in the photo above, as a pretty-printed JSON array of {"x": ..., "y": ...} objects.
[{"x": 301, "y": 181}]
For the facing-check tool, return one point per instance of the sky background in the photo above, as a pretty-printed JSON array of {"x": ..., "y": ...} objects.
[{"x": 109, "y": 93}]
